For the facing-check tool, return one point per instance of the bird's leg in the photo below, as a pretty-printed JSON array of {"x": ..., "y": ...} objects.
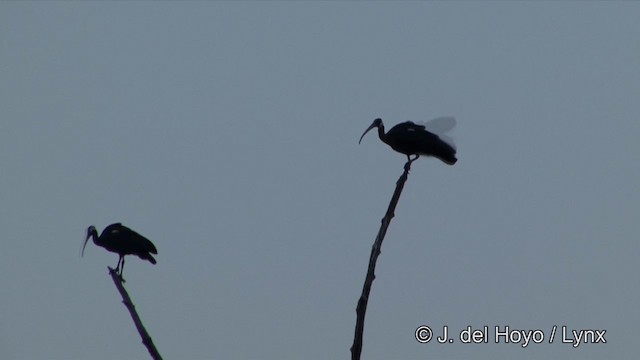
[
  {"x": 122, "y": 269},
  {"x": 409, "y": 159},
  {"x": 118, "y": 266},
  {"x": 407, "y": 166},
  {"x": 118, "y": 269}
]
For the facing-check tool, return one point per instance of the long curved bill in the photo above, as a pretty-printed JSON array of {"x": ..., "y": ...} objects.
[
  {"x": 85, "y": 244},
  {"x": 366, "y": 131}
]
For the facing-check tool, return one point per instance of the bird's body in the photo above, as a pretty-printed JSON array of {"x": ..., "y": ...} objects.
[
  {"x": 413, "y": 139},
  {"x": 121, "y": 240}
]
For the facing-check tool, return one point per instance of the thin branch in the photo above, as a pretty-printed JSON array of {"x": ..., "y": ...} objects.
[
  {"x": 146, "y": 339},
  {"x": 361, "y": 309}
]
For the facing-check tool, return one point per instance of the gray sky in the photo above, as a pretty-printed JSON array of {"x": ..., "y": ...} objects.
[{"x": 227, "y": 134}]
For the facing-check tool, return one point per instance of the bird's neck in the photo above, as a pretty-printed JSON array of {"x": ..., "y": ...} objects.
[
  {"x": 94, "y": 237},
  {"x": 381, "y": 134}
]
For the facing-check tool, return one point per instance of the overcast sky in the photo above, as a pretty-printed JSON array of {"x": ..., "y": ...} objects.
[{"x": 227, "y": 133}]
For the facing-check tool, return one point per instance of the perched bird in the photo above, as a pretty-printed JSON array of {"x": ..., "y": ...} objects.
[
  {"x": 413, "y": 139},
  {"x": 123, "y": 241}
]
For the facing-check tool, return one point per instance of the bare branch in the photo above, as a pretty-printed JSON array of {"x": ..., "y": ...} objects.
[
  {"x": 361, "y": 309},
  {"x": 146, "y": 339}
]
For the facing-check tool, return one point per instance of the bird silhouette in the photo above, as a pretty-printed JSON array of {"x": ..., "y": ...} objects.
[
  {"x": 123, "y": 241},
  {"x": 413, "y": 139}
]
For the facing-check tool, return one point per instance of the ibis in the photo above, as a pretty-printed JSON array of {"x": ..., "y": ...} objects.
[
  {"x": 414, "y": 139},
  {"x": 121, "y": 240}
]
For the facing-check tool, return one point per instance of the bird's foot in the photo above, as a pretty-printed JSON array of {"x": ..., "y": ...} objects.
[
  {"x": 119, "y": 273},
  {"x": 407, "y": 166}
]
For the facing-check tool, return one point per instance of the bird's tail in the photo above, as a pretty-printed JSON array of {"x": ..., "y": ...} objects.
[
  {"x": 449, "y": 158},
  {"x": 147, "y": 256},
  {"x": 445, "y": 152}
]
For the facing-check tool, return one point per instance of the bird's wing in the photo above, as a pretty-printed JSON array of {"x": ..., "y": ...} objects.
[
  {"x": 114, "y": 228},
  {"x": 411, "y": 126},
  {"x": 125, "y": 232},
  {"x": 402, "y": 130},
  {"x": 420, "y": 138},
  {"x": 441, "y": 125}
]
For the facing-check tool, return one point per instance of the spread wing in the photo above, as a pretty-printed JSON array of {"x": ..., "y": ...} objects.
[{"x": 442, "y": 125}]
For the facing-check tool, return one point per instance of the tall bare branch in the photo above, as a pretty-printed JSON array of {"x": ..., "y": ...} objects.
[{"x": 361, "y": 309}]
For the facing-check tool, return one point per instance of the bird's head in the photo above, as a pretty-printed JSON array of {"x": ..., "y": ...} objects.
[
  {"x": 91, "y": 231},
  {"x": 376, "y": 123}
]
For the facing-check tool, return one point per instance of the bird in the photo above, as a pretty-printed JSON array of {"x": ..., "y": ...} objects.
[
  {"x": 123, "y": 241},
  {"x": 410, "y": 138}
]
